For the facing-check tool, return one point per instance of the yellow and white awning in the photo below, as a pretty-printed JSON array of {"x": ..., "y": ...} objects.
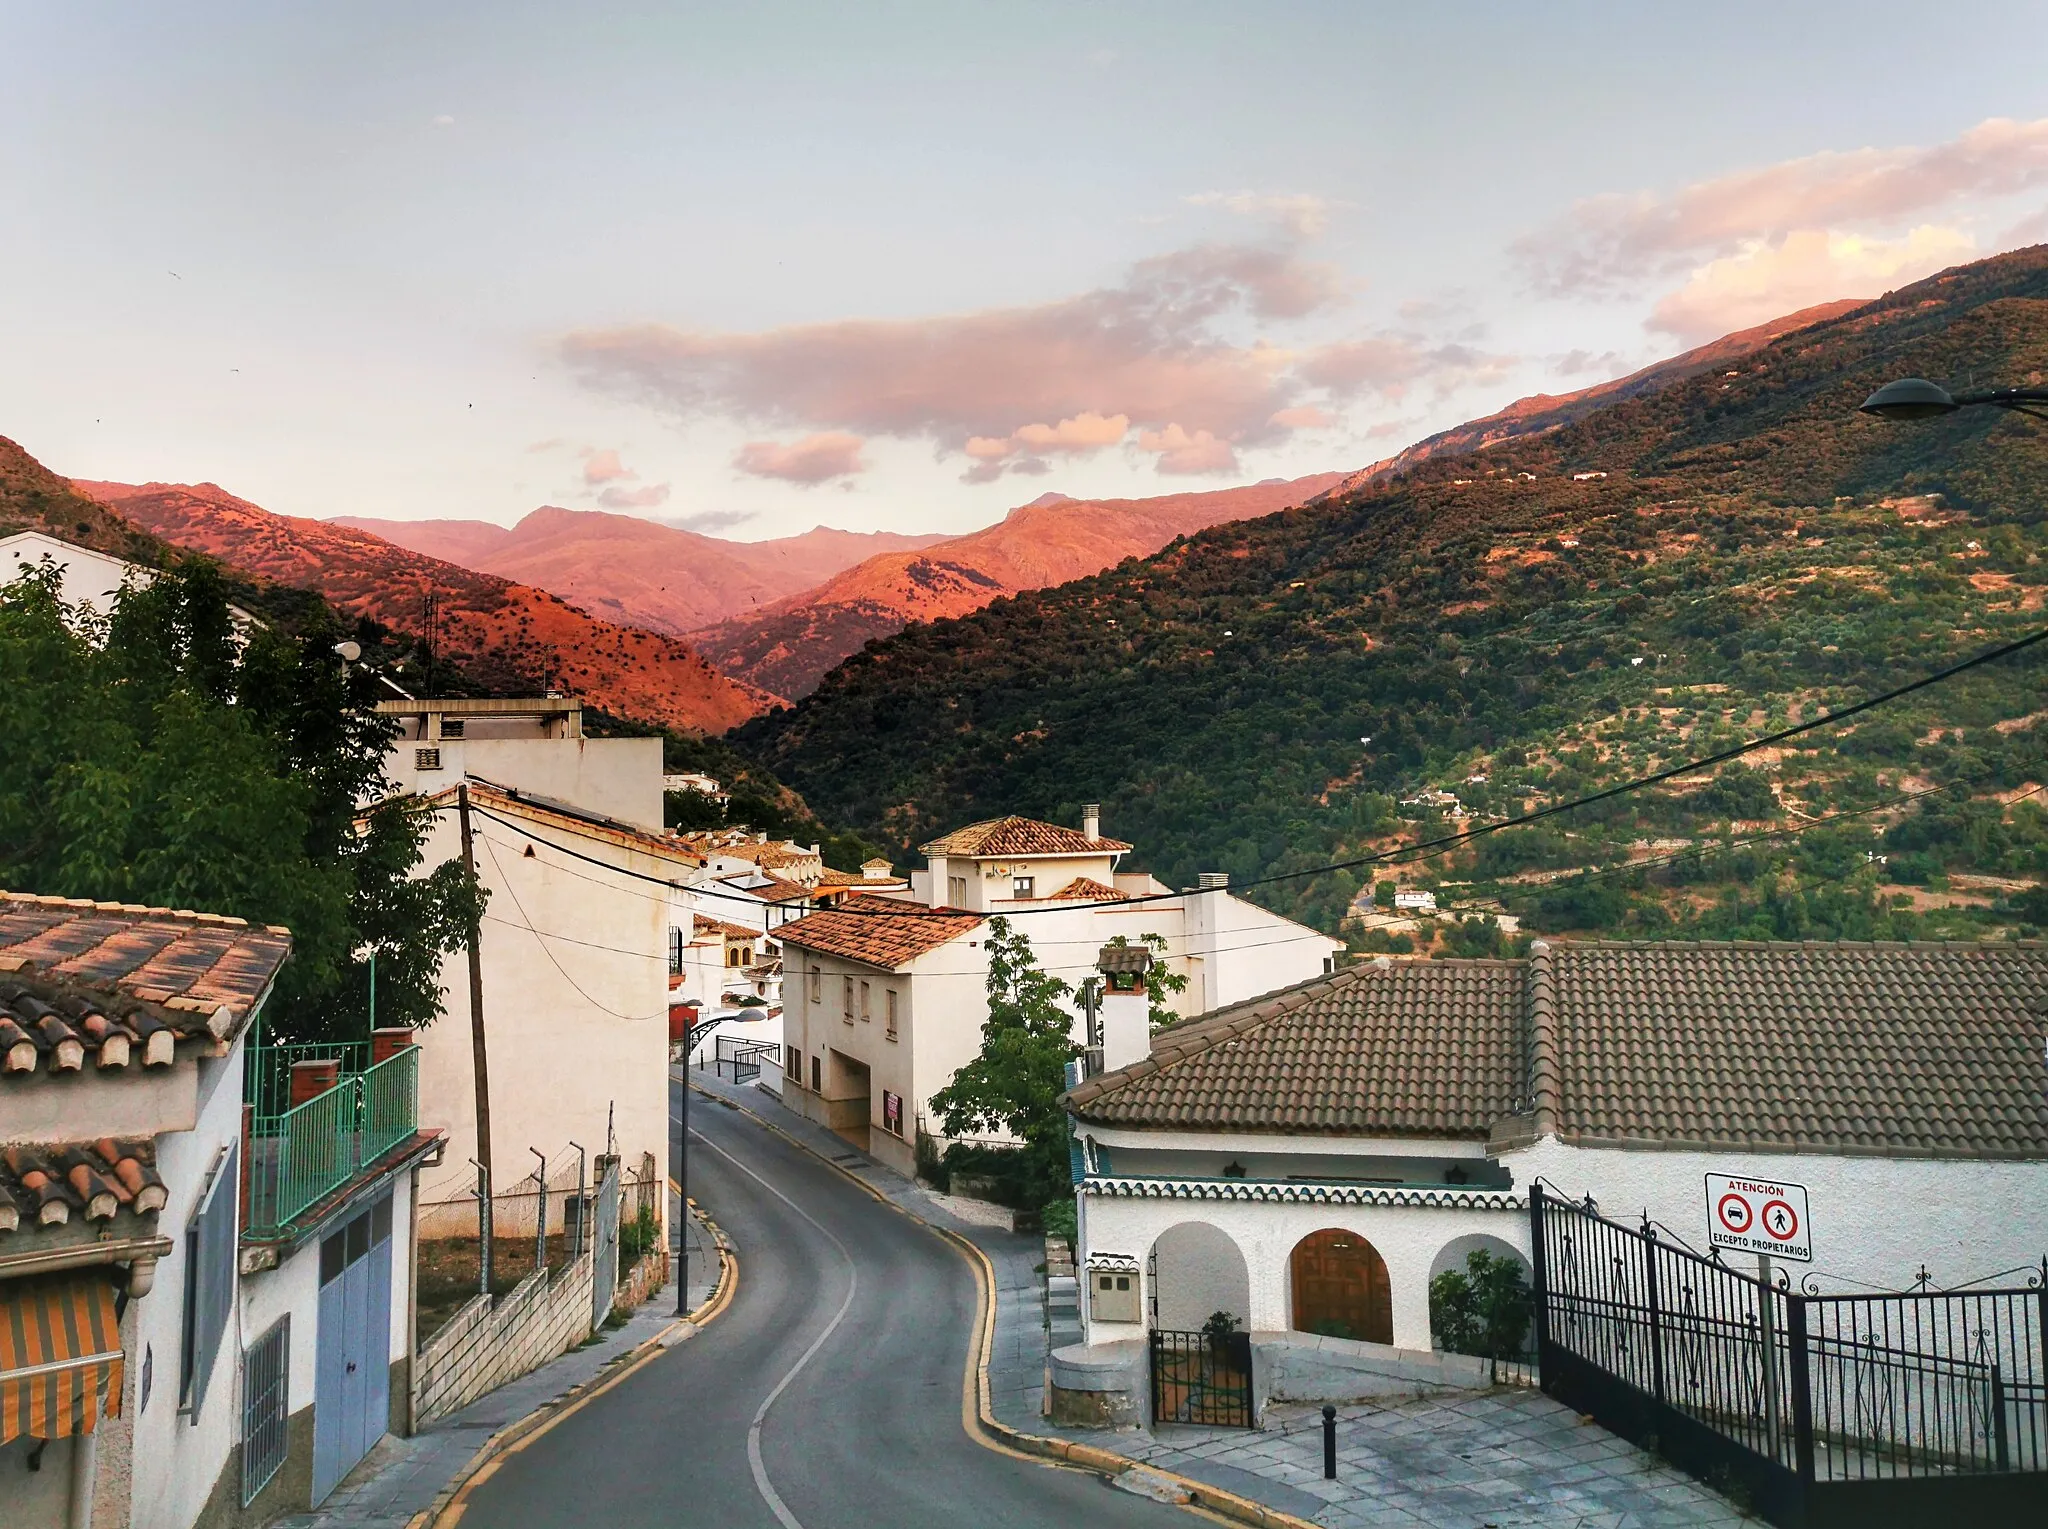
[{"x": 60, "y": 1356}]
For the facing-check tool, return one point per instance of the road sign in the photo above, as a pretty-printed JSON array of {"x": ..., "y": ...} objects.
[{"x": 1758, "y": 1215}]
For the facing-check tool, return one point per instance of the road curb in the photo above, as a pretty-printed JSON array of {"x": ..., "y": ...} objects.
[
  {"x": 977, "y": 1413},
  {"x": 451, "y": 1502}
]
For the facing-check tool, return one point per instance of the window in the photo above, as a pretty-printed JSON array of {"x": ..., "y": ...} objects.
[
  {"x": 426, "y": 759},
  {"x": 265, "y": 1369},
  {"x": 890, "y": 1001},
  {"x": 817, "y": 983},
  {"x": 865, "y": 1011},
  {"x": 675, "y": 951},
  {"x": 846, "y": 998},
  {"x": 794, "y": 1066},
  {"x": 817, "y": 1076},
  {"x": 735, "y": 955},
  {"x": 451, "y": 727},
  {"x": 210, "y": 1238},
  {"x": 956, "y": 891},
  {"x": 1021, "y": 886}
]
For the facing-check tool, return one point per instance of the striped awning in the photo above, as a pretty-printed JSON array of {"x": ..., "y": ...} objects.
[{"x": 60, "y": 1356}]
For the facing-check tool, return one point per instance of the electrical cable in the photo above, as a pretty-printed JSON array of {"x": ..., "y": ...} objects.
[{"x": 603, "y": 1008}]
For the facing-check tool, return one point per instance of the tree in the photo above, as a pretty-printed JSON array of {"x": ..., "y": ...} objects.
[
  {"x": 1015, "y": 1083},
  {"x": 1482, "y": 1310},
  {"x": 161, "y": 758}
]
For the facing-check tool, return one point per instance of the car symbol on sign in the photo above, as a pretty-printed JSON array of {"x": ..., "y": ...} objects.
[{"x": 1734, "y": 1213}]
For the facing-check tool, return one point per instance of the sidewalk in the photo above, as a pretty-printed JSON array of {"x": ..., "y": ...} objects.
[
  {"x": 400, "y": 1478},
  {"x": 1502, "y": 1458}
]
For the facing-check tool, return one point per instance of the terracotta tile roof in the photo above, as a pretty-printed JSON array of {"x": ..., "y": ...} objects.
[
  {"x": 123, "y": 986},
  {"x": 878, "y": 931},
  {"x": 1083, "y": 888},
  {"x": 1019, "y": 836},
  {"x": 776, "y": 890},
  {"x": 1410, "y": 1048},
  {"x": 719, "y": 926},
  {"x": 49, "y": 1185},
  {"x": 487, "y": 797},
  {"x": 1922, "y": 1050}
]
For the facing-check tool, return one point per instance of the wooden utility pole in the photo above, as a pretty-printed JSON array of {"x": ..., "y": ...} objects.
[{"x": 476, "y": 998}]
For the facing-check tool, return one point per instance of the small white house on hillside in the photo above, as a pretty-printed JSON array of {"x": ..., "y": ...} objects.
[{"x": 1310, "y": 1160}]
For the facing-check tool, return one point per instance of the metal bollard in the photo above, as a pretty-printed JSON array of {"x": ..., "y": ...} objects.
[{"x": 1329, "y": 1443}]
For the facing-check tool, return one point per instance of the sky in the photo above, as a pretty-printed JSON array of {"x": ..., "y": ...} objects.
[{"x": 892, "y": 266}]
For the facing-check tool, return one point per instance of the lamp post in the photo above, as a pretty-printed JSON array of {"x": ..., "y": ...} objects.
[{"x": 1916, "y": 398}]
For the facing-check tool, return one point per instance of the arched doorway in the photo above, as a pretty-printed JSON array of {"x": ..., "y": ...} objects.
[
  {"x": 1341, "y": 1288},
  {"x": 1197, "y": 1271}
]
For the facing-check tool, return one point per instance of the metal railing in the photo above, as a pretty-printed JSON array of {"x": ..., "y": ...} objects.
[
  {"x": 1799, "y": 1395},
  {"x": 742, "y": 1060},
  {"x": 300, "y": 1156}
]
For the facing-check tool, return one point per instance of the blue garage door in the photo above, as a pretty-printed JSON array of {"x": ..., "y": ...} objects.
[{"x": 352, "y": 1378}]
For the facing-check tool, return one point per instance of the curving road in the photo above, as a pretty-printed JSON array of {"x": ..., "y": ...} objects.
[{"x": 827, "y": 1396}]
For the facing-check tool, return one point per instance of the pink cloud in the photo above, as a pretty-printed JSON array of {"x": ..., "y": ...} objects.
[
  {"x": 1303, "y": 417},
  {"x": 1183, "y": 452},
  {"x": 814, "y": 459},
  {"x": 634, "y": 498},
  {"x": 604, "y": 467},
  {"x": 1806, "y": 267},
  {"x": 1611, "y": 239},
  {"x": 1301, "y": 214},
  {"x": 1003, "y": 387}
]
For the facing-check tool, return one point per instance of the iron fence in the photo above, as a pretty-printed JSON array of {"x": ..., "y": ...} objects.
[
  {"x": 1805, "y": 1400},
  {"x": 304, "y": 1154},
  {"x": 266, "y": 1367},
  {"x": 742, "y": 1060},
  {"x": 1201, "y": 1378}
]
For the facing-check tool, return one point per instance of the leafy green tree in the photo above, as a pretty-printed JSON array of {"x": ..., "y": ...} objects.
[
  {"x": 1482, "y": 1309},
  {"x": 1015, "y": 1082},
  {"x": 164, "y": 759}
]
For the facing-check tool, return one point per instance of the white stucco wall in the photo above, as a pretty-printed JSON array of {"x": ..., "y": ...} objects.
[
  {"x": 576, "y": 1016},
  {"x": 1200, "y": 1272},
  {"x": 617, "y": 777},
  {"x": 175, "y": 1460}
]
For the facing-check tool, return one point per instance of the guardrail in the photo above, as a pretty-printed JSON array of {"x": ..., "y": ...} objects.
[{"x": 301, "y": 1156}]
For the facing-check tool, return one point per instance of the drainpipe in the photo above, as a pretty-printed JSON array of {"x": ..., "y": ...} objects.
[{"x": 85, "y": 1454}]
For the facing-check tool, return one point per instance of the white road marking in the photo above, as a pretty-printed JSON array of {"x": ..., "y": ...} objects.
[{"x": 766, "y": 1488}]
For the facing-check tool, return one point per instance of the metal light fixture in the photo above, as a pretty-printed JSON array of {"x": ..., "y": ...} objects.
[{"x": 1917, "y": 398}]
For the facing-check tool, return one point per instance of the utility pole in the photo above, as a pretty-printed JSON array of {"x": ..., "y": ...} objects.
[{"x": 478, "y": 1061}]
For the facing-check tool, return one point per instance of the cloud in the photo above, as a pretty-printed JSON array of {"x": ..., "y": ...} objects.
[
  {"x": 1574, "y": 362},
  {"x": 1298, "y": 212},
  {"x": 1616, "y": 240},
  {"x": 444, "y": 121},
  {"x": 814, "y": 459},
  {"x": 1808, "y": 266},
  {"x": 708, "y": 520},
  {"x": 604, "y": 467},
  {"x": 1171, "y": 345},
  {"x": 634, "y": 498},
  {"x": 1303, "y": 417}
]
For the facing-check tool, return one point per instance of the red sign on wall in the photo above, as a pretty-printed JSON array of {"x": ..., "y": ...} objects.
[{"x": 892, "y": 1113}]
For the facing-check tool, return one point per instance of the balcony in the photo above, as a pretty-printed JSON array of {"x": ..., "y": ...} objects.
[{"x": 319, "y": 1115}]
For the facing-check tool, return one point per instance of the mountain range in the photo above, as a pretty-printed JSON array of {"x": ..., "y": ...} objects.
[
  {"x": 503, "y": 634},
  {"x": 641, "y": 572},
  {"x": 1672, "y": 570}
]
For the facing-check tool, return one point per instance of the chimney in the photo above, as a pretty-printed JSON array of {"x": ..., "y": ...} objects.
[
  {"x": 1212, "y": 881},
  {"x": 312, "y": 1079},
  {"x": 1091, "y": 820},
  {"x": 387, "y": 1042}
]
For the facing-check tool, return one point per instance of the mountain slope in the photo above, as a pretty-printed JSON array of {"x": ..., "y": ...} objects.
[
  {"x": 640, "y": 572},
  {"x": 507, "y": 635},
  {"x": 1755, "y": 550},
  {"x": 787, "y": 647}
]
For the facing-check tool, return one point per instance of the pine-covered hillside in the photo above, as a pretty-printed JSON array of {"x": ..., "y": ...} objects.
[{"x": 1659, "y": 579}]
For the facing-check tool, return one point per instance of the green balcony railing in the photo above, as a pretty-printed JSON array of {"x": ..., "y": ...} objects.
[{"x": 299, "y": 1157}]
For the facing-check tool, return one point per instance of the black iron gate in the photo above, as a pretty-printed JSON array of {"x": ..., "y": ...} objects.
[
  {"x": 1858, "y": 1411},
  {"x": 1203, "y": 1378}
]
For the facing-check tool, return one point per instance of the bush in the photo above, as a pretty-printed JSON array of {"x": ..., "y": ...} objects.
[
  {"x": 638, "y": 1237},
  {"x": 1056, "y": 1219},
  {"x": 1484, "y": 1310}
]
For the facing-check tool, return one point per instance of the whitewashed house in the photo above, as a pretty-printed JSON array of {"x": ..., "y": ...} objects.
[
  {"x": 205, "y": 1281},
  {"x": 1309, "y": 1160},
  {"x": 85, "y": 576},
  {"x": 882, "y": 1008},
  {"x": 533, "y": 744}
]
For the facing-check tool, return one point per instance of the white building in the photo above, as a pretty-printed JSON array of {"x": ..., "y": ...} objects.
[
  {"x": 575, "y": 958},
  {"x": 204, "y": 1329},
  {"x": 86, "y": 576},
  {"x": 1308, "y": 1161},
  {"x": 846, "y": 966}
]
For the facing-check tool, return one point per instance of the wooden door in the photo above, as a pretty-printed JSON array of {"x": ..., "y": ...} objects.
[{"x": 1341, "y": 1288}]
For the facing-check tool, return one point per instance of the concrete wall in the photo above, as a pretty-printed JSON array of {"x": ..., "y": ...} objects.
[
  {"x": 126, "y": 1101},
  {"x": 576, "y": 1020},
  {"x": 1876, "y": 1220},
  {"x": 1237, "y": 950},
  {"x": 483, "y": 1346},
  {"x": 616, "y": 777}
]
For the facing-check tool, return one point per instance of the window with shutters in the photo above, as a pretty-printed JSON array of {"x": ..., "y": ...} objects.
[
  {"x": 210, "y": 1238},
  {"x": 426, "y": 759},
  {"x": 956, "y": 891},
  {"x": 1023, "y": 886},
  {"x": 846, "y": 998},
  {"x": 889, "y": 1010},
  {"x": 865, "y": 1011}
]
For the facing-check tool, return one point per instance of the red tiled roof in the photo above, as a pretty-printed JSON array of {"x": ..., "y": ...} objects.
[
  {"x": 1019, "y": 836},
  {"x": 1083, "y": 888},
  {"x": 48, "y": 1184},
  {"x": 776, "y": 890},
  {"x": 878, "y": 931},
  {"x": 705, "y": 925},
  {"x": 124, "y": 984}
]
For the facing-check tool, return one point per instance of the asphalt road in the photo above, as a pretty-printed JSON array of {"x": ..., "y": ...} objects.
[{"x": 827, "y": 1396}]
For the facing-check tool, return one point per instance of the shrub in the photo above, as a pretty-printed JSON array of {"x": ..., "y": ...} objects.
[
  {"x": 1483, "y": 1310},
  {"x": 1056, "y": 1219},
  {"x": 638, "y": 1237}
]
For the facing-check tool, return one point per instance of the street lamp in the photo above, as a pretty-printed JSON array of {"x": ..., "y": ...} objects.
[{"x": 1917, "y": 398}]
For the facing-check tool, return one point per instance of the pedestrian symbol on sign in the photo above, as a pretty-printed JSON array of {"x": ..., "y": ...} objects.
[{"x": 1781, "y": 1221}]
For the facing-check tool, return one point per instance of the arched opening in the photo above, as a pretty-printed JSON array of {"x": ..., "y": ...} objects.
[
  {"x": 1341, "y": 1288},
  {"x": 1479, "y": 1298},
  {"x": 1196, "y": 1272}
]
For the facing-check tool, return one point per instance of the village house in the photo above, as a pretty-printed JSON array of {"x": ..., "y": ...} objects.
[
  {"x": 698, "y": 782},
  {"x": 85, "y": 576},
  {"x": 575, "y": 954},
  {"x": 885, "y": 994},
  {"x": 1307, "y": 1162},
  {"x": 205, "y": 1264}
]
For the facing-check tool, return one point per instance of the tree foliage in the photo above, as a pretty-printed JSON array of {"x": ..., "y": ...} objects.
[
  {"x": 159, "y": 757},
  {"x": 1015, "y": 1082}
]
